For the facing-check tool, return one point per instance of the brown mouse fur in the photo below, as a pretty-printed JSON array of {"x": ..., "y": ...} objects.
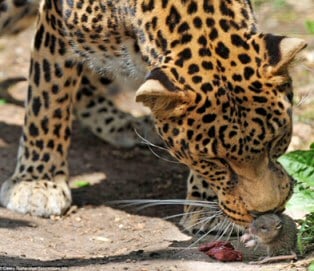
[{"x": 276, "y": 232}]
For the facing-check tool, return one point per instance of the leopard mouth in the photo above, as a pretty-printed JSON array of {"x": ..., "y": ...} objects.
[{"x": 255, "y": 194}]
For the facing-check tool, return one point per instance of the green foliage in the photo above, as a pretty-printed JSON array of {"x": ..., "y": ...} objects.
[
  {"x": 306, "y": 234},
  {"x": 2, "y": 101},
  {"x": 310, "y": 26},
  {"x": 300, "y": 165},
  {"x": 80, "y": 184},
  {"x": 311, "y": 267}
]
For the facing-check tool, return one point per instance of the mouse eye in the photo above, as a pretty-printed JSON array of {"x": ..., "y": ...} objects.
[{"x": 263, "y": 228}]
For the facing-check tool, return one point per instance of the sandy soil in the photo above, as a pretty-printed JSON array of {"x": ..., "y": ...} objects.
[{"x": 96, "y": 235}]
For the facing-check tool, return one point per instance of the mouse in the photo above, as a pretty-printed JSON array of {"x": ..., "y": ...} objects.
[{"x": 277, "y": 233}]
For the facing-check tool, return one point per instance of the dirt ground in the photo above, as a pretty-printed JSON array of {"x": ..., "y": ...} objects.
[{"x": 96, "y": 235}]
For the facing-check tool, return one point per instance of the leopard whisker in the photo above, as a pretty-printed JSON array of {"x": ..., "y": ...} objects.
[
  {"x": 303, "y": 99},
  {"x": 225, "y": 225},
  {"x": 204, "y": 220},
  {"x": 307, "y": 67},
  {"x": 150, "y": 203},
  {"x": 222, "y": 226},
  {"x": 202, "y": 237},
  {"x": 200, "y": 221},
  {"x": 162, "y": 158},
  {"x": 147, "y": 142},
  {"x": 226, "y": 229},
  {"x": 238, "y": 234},
  {"x": 232, "y": 228},
  {"x": 150, "y": 145},
  {"x": 183, "y": 214}
]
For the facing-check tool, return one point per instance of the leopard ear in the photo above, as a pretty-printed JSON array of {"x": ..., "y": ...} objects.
[
  {"x": 161, "y": 96},
  {"x": 282, "y": 51}
]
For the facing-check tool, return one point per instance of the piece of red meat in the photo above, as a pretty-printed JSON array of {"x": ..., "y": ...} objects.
[
  {"x": 221, "y": 251},
  {"x": 207, "y": 246}
]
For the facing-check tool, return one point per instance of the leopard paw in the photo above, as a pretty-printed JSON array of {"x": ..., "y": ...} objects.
[{"x": 39, "y": 198}]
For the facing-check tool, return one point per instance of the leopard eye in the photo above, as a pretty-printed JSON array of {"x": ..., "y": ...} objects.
[{"x": 286, "y": 85}]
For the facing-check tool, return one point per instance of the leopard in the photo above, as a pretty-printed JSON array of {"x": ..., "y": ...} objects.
[
  {"x": 17, "y": 15},
  {"x": 219, "y": 91}
]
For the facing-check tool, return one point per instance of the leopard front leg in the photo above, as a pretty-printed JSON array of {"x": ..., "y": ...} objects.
[
  {"x": 97, "y": 112},
  {"x": 202, "y": 213},
  {"x": 39, "y": 185}
]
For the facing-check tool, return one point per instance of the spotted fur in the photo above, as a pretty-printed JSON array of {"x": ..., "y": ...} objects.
[
  {"x": 17, "y": 15},
  {"x": 218, "y": 89}
]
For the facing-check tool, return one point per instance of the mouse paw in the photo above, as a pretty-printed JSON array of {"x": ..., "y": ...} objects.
[
  {"x": 246, "y": 237},
  {"x": 250, "y": 243}
]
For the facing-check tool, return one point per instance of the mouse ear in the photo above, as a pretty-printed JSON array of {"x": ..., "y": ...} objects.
[{"x": 279, "y": 226}]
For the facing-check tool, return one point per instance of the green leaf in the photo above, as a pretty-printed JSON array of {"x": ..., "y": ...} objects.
[
  {"x": 300, "y": 164},
  {"x": 301, "y": 201},
  {"x": 306, "y": 234},
  {"x": 310, "y": 26},
  {"x": 81, "y": 184},
  {"x": 311, "y": 267},
  {"x": 2, "y": 101}
]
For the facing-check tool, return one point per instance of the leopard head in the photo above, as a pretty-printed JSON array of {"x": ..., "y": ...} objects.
[{"x": 228, "y": 118}]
